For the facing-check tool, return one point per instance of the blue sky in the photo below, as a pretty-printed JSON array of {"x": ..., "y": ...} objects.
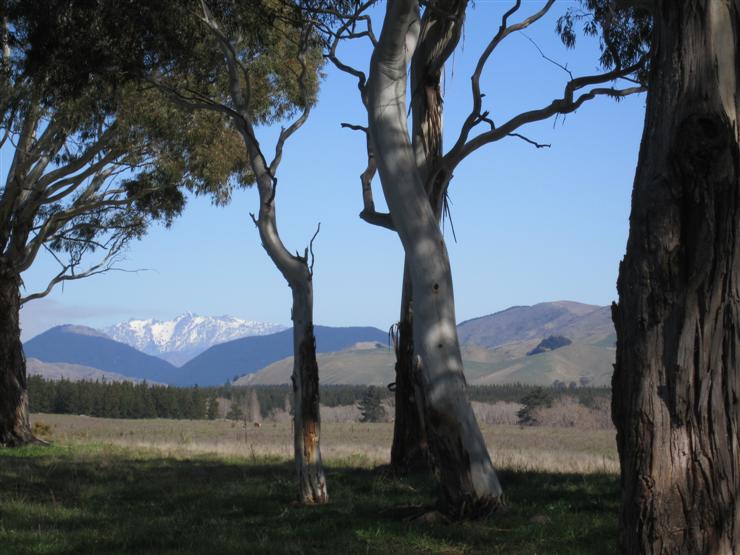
[{"x": 532, "y": 224}]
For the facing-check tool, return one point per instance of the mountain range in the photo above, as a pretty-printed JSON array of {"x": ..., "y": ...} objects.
[
  {"x": 506, "y": 347},
  {"x": 221, "y": 363},
  {"x": 186, "y": 336},
  {"x": 542, "y": 344}
]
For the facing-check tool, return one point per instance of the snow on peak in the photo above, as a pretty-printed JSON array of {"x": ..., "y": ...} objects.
[{"x": 188, "y": 334}]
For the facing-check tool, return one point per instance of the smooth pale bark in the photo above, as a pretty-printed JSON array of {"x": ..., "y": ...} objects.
[
  {"x": 14, "y": 424},
  {"x": 677, "y": 378},
  {"x": 468, "y": 480},
  {"x": 433, "y": 41}
]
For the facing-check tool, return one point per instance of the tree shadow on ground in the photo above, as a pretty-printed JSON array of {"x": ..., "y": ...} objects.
[{"x": 63, "y": 501}]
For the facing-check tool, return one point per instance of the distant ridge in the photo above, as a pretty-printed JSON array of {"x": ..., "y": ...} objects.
[
  {"x": 224, "y": 362},
  {"x": 88, "y": 347},
  {"x": 73, "y": 372},
  {"x": 575, "y": 340},
  {"x": 577, "y": 321},
  {"x": 497, "y": 348}
]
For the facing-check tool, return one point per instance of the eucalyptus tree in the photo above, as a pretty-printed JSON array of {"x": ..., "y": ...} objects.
[
  {"x": 282, "y": 61},
  {"x": 677, "y": 377},
  {"x": 415, "y": 173},
  {"x": 94, "y": 161}
]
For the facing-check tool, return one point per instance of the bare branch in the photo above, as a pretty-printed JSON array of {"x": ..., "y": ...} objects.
[
  {"x": 530, "y": 141},
  {"x": 353, "y": 127},
  {"x": 504, "y": 30},
  {"x": 68, "y": 271},
  {"x": 298, "y": 123},
  {"x": 310, "y": 249},
  {"x": 369, "y": 213},
  {"x": 565, "y": 105},
  {"x": 342, "y": 33},
  {"x": 553, "y": 62}
]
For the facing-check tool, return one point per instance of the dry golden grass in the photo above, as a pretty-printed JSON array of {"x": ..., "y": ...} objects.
[{"x": 560, "y": 450}]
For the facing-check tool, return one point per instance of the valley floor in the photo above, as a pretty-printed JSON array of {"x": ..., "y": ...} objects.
[{"x": 166, "y": 486}]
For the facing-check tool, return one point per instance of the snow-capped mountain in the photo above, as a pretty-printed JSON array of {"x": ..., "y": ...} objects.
[{"x": 186, "y": 336}]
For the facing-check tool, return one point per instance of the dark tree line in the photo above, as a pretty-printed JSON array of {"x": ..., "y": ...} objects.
[
  {"x": 142, "y": 400},
  {"x": 117, "y": 399}
]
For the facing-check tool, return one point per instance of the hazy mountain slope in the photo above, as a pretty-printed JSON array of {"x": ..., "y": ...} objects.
[
  {"x": 221, "y": 363},
  {"x": 579, "y": 322},
  {"x": 89, "y": 347},
  {"x": 370, "y": 365},
  {"x": 567, "y": 364},
  {"x": 494, "y": 350},
  {"x": 72, "y": 372},
  {"x": 180, "y": 339},
  {"x": 376, "y": 367}
]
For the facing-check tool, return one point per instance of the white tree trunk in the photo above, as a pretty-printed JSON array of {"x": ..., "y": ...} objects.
[{"x": 469, "y": 482}]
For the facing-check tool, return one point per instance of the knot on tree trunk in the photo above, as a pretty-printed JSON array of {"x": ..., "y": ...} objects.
[{"x": 702, "y": 139}]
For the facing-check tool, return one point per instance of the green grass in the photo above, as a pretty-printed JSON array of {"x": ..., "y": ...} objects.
[{"x": 97, "y": 498}]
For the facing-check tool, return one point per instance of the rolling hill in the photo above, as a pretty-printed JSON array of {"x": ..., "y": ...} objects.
[
  {"x": 88, "y": 347},
  {"x": 563, "y": 341},
  {"x": 498, "y": 348},
  {"x": 222, "y": 363},
  {"x": 576, "y": 321},
  {"x": 73, "y": 372}
]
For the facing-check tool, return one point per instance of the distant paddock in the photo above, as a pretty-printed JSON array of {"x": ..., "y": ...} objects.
[{"x": 565, "y": 450}]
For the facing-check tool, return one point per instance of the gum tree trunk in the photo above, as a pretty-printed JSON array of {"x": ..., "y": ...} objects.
[
  {"x": 468, "y": 481},
  {"x": 307, "y": 429},
  {"x": 438, "y": 34},
  {"x": 410, "y": 451},
  {"x": 15, "y": 429},
  {"x": 298, "y": 273},
  {"x": 677, "y": 378}
]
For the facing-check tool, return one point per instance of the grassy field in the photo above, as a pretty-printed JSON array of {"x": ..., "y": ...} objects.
[{"x": 114, "y": 486}]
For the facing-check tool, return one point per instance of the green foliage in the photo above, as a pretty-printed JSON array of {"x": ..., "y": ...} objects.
[
  {"x": 624, "y": 32},
  {"x": 538, "y": 397},
  {"x": 235, "y": 412},
  {"x": 126, "y": 400},
  {"x": 550, "y": 344},
  {"x": 95, "y": 499},
  {"x": 116, "y": 399},
  {"x": 104, "y": 151},
  {"x": 212, "y": 412},
  {"x": 371, "y": 406}
]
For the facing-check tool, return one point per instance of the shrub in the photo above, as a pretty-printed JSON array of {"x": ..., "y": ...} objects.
[{"x": 41, "y": 429}]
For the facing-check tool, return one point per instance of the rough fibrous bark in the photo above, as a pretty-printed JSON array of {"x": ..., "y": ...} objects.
[
  {"x": 14, "y": 425},
  {"x": 677, "y": 377},
  {"x": 410, "y": 450},
  {"x": 307, "y": 429}
]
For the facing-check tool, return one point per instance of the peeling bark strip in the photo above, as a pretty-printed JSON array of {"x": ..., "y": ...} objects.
[
  {"x": 307, "y": 430},
  {"x": 14, "y": 425},
  {"x": 410, "y": 449},
  {"x": 676, "y": 383},
  {"x": 468, "y": 480}
]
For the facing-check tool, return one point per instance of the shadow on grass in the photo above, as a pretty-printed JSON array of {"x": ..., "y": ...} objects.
[{"x": 66, "y": 500}]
